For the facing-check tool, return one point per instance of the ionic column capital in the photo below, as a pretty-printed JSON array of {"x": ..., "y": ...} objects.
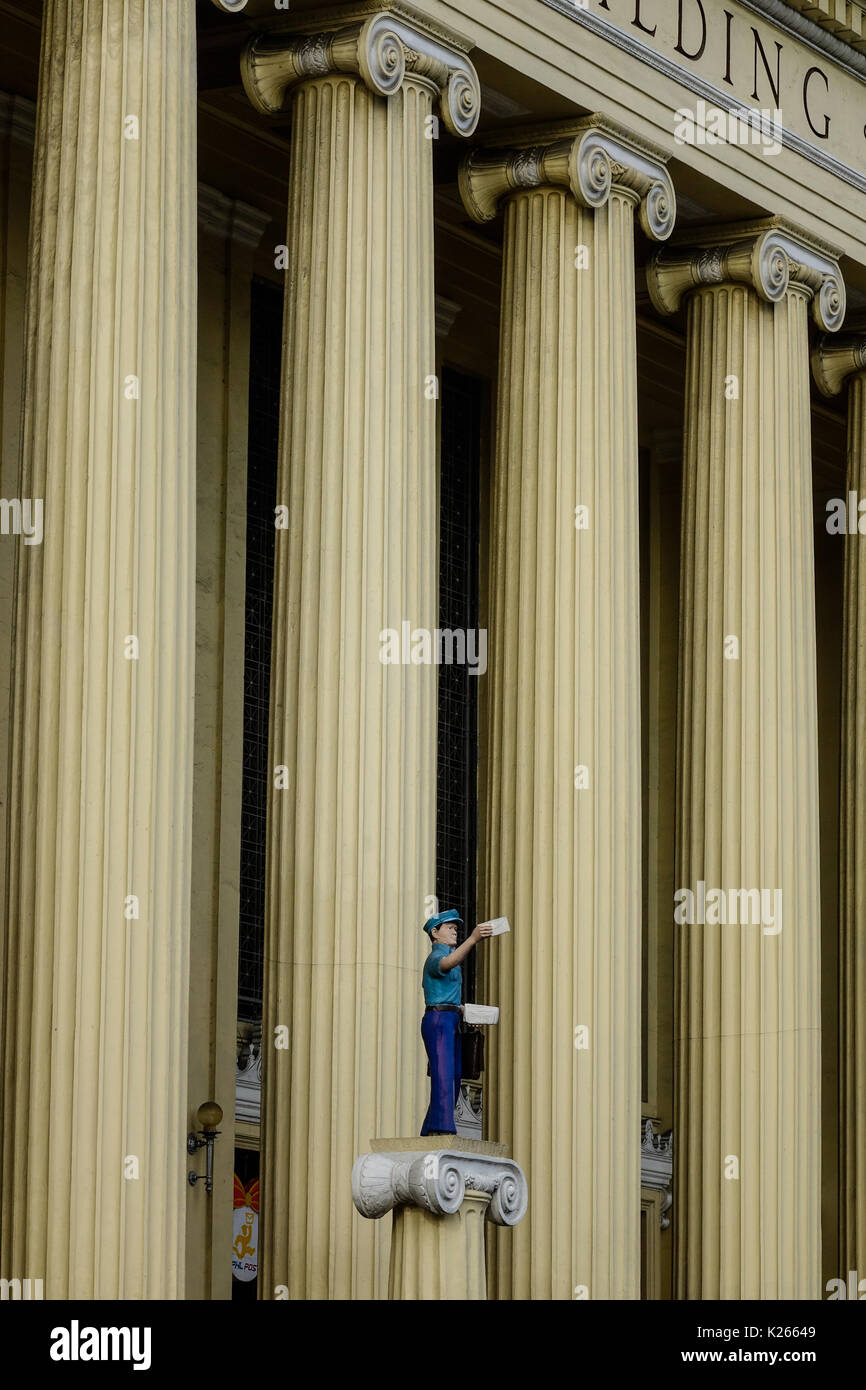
[
  {"x": 591, "y": 158},
  {"x": 771, "y": 258},
  {"x": 384, "y": 48},
  {"x": 834, "y": 360},
  {"x": 437, "y": 1181}
]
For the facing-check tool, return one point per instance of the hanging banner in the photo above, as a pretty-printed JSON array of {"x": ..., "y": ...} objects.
[{"x": 245, "y": 1242}]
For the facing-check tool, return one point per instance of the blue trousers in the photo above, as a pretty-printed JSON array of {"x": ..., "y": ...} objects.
[{"x": 441, "y": 1035}]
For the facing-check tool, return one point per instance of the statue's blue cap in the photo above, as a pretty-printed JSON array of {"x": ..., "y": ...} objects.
[{"x": 452, "y": 915}]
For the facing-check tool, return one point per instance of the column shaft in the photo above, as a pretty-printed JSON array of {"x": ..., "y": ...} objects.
[
  {"x": 563, "y": 859},
  {"x": 96, "y": 1032},
  {"x": 852, "y": 945},
  {"x": 747, "y": 1044},
  {"x": 439, "y": 1257},
  {"x": 17, "y": 118},
  {"x": 351, "y": 839}
]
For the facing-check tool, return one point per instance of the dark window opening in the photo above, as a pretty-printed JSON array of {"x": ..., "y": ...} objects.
[
  {"x": 456, "y": 808},
  {"x": 456, "y": 819},
  {"x": 264, "y": 422}
]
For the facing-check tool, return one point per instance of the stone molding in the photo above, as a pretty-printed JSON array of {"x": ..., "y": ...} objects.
[
  {"x": 833, "y": 26},
  {"x": 383, "y": 48},
  {"x": 835, "y": 359},
  {"x": 468, "y": 1119},
  {"x": 770, "y": 257},
  {"x": 18, "y": 118},
  {"x": 437, "y": 1181},
  {"x": 592, "y": 158},
  {"x": 248, "y": 1074},
  {"x": 657, "y": 1166},
  {"x": 718, "y": 96},
  {"x": 446, "y": 313},
  {"x": 229, "y": 218}
]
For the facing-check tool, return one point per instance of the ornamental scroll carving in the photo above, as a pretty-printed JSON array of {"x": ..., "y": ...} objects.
[
  {"x": 382, "y": 49},
  {"x": 437, "y": 1181}
]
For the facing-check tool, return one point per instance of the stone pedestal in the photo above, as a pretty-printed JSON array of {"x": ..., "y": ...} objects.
[{"x": 441, "y": 1199}]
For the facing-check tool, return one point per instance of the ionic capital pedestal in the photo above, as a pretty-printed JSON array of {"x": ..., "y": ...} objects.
[
  {"x": 437, "y": 1181},
  {"x": 591, "y": 158},
  {"x": 771, "y": 258},
  {"x": 834, "y": 360},
  {"x": 384, "y": 48}
]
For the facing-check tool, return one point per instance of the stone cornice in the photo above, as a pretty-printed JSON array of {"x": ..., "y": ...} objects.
[
  {"x": 18, "y": 118},
  {"x": 446, "y": 312},
  {"x": 841, "y": 21},
  {"x": 248, "y": 1076},
  {"x": 591, "y": 157},
  {"x": 834, "y": 360},
  {"x": 385, "y": 48},
  {"x": 229, "y": 218},
  {"x": 770, "y": 257},
  {"x": 657, "y": 1166},
  {"x": 716, "y": 95},
  {"x": 437, "y": 1180}
]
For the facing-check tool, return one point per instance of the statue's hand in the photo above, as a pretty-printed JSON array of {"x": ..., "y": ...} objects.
[{"x": 481, "y": 932}]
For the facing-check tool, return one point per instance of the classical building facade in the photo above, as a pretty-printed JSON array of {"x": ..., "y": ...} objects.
[{"x": 433, "y": 450}]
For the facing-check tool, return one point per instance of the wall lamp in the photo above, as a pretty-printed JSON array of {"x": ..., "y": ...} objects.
[{"x": 208, "y": 1116}]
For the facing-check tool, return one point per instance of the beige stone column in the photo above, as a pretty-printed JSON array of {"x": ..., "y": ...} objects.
[
  {"x": 17, "y": 121},
  {"x": 436, "y": 1257},
  {"x": 747, "y": 1107},
  {"x": 351, "y": 818},
  {"x": 563, "y": 853},
  {"x": 838, "y": 363},
  {"x": 95, "y": 1050}
]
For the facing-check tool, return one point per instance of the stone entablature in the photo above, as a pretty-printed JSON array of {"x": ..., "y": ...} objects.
[{"x": 844, "y": 18}]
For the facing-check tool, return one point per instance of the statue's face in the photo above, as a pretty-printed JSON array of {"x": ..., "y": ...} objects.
[{"x": 447, "y": 934}]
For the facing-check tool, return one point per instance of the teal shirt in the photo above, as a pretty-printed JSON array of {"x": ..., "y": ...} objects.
[{"x": 441, "y": 987}]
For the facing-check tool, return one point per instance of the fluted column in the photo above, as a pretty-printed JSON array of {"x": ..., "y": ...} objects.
[
  {"x": 17, "y": 120},
  {"x": 563, "y": 858},
  {"x": 838, "y": 363},
  {"x": 351, "y": 821},
  {"x": 747, "y": 1109},
  {"x": 435, "y": 1257},
  {"x": 95, "y": 1049}
]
